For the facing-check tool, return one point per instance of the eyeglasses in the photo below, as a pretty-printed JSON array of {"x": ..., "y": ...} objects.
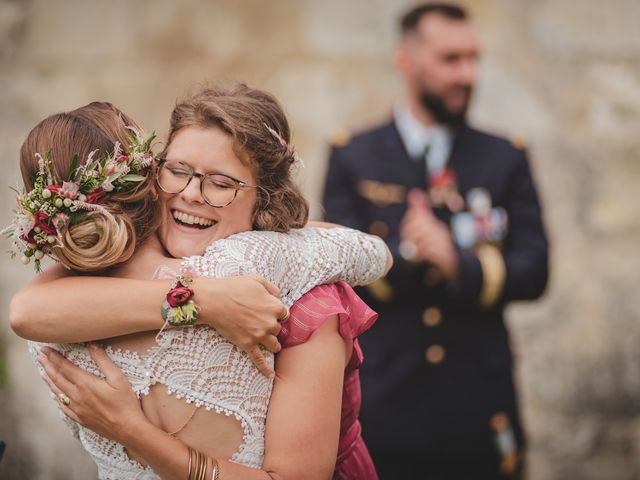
[{"x": 217, "y": 189}]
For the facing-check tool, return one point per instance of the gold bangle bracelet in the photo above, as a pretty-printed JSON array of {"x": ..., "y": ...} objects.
[
  {"x": 206, "y": 468},
  {"x": 203, "y": 467},
  {"x": 198, "y": 465},
  {"x": 190, "y": 463}
]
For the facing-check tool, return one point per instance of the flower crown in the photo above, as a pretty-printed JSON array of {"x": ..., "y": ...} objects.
[{"x": 43, "y": 213}]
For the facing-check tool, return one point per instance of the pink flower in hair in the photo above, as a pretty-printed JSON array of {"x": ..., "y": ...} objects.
[{"x": 70, "y": 190}]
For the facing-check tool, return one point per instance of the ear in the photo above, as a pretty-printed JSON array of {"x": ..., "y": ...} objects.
[
  {"x": 401, "y": 58},
  {"x": 154, "y": 193}
]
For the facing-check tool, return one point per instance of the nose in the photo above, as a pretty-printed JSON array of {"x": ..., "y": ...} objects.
[
  {"x": 468, "y": 71},
  {"x": 192, "y": 193}
]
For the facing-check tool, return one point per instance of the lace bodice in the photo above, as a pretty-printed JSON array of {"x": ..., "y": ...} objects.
[{"x": 200, "y": 366}]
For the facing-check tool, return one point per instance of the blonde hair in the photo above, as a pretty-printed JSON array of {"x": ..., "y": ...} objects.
[
  {"x": 247, "y": 114},
  {"x": 98, "y": 241}
]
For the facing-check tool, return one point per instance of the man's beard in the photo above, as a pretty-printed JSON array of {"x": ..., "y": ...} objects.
[{"x": 437, "y": 107}]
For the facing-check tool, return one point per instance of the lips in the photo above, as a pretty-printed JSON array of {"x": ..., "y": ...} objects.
[{"x": 192, "y": 220}]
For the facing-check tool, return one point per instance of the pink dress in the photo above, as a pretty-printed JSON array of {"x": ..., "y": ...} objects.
[{"x": 355, "y": 317}]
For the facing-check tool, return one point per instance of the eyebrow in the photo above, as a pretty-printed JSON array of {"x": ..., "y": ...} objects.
[{"x": 214, "y": 172}]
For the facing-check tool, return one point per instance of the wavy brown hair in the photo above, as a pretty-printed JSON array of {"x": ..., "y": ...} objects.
[
  {"x": 244, "y": 113},
  {"x": 95, "y": 243}
]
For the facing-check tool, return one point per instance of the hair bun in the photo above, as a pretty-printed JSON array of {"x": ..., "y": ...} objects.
[{"x": 100, "y": 241}]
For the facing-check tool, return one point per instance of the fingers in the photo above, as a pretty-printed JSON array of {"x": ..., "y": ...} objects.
[
  {"x": 418, "y": 200},
  {"x": 414, "y": 229},
  {"x": 54, "y": 388},
  {"x": 104, "y": 363},
  {"x": 57, "y": 393},
  {"x": 284, "y": 314},
  {"x": 271, "y": 343},
  {"x": 274, "y": 329},
  {"x": 260, "y": 362},
  {"x": 52, "y": 366},
  {"x": 270, "y": 287}
]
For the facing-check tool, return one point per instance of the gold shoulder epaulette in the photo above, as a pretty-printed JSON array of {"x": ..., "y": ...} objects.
[
  {"x": 518, "y": 142},
  {"x": 340, "y": 138}
]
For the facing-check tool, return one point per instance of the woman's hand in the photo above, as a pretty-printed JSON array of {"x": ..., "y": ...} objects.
[
  {"x": 246, "y": 311},
  {"x": 108, "y": 407}
]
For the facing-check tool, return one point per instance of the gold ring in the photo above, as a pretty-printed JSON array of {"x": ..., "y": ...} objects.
[{"x": 64, "y": 399}]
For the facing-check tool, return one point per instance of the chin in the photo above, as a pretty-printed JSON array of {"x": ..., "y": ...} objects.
[{"x": 180, "y": 251}]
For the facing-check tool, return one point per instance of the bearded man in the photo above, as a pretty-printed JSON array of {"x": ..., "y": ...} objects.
[{"x": 459, "y": 210}]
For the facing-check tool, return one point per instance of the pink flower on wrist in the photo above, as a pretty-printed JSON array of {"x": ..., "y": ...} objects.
[{"x": 179, "y": 295}]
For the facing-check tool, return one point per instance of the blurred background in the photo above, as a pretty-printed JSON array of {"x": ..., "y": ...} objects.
[{"x": 563, "y": 74}]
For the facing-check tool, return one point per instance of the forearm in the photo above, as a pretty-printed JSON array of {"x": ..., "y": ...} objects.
[
  {"x": 169, "y": 457},
  {"x": 78, "y": 309},
  {"x": 319, "y": 224},
  {"x": 166, "y": 455},
  {"x": 362, "y": 258}
]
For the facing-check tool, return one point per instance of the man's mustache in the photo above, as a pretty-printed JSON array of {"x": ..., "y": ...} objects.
[{"x": 468, "y": 89}]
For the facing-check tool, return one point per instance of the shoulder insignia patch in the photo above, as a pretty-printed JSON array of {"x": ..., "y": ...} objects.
[
  {"x": 518, "y": 142},
  {"x": 340, "y": 138}
]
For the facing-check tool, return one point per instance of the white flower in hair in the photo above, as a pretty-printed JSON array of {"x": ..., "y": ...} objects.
[
  {"x": 288, "y": 147},
  {"x": 42, "y": 213}
]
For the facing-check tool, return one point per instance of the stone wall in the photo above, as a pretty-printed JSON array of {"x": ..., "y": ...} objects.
[{"x": 565, "y": 74}]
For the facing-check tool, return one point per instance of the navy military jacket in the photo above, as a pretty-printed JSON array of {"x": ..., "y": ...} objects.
[{"x": 437, "y": 372}]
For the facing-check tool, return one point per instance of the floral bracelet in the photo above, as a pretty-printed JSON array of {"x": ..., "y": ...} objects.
[{"x": 178, "y": 308}]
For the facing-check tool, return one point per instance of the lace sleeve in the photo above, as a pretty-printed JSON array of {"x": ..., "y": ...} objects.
[
  {"x": 34, "y": 350},
  {"x": 297, "y": 261}
]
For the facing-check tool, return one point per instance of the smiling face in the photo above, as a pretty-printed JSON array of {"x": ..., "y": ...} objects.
[{"x": 189, "y": 224}]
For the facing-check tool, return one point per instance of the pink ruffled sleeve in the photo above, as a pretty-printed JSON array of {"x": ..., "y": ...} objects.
[{"x": 314, "y": 307}]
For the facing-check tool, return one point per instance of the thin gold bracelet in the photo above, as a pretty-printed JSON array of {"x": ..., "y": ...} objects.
[
  {"x": 190, "y": 462},
  {"x": 206, "y": 468},
  {"x": 215, "y": 472},
  {"x": 198, "y": 466},
  {"x": 203, "y": 467}
]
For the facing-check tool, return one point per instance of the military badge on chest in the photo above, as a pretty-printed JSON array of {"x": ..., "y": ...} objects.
[
  {"x": 479, "y": 223},
  {"x": 443, "y": 190}
]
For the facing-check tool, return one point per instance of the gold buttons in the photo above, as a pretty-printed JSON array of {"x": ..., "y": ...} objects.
[
  {"x": 432, "y": 277},
  {"x": 435, "y": 354},
  {"x": 431, "y": 317},
  {"x": 379, "y": 228}
]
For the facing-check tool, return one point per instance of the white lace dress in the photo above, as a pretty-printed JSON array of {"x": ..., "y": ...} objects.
[{"x": 201, "y": 367}]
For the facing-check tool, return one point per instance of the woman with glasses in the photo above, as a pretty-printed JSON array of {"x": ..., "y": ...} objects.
[{"x": 202, "y": 408}]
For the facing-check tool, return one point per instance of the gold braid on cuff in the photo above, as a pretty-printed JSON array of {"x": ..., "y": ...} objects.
[{"x": 494, "y": 274}]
